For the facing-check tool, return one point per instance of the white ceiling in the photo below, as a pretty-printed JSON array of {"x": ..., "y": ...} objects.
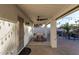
[{"x": 45, "y": 10}]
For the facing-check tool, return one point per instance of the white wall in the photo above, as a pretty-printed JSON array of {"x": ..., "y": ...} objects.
[
  {"x": 7, "y": 37},
  {"x": 10, "y": 13},
  {"x": 28, "y": 34}
]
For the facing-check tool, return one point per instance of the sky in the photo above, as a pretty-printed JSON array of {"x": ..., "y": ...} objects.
[{"x": 68, "y": 19}]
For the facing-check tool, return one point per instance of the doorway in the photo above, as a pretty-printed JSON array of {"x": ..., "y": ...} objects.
[{"x": 21, "y": 33}]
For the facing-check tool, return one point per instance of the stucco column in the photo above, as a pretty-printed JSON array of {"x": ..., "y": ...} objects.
[{"x": 53, "y": 34}]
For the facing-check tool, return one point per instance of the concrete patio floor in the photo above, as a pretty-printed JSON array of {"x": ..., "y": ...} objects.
[{"x": 65, "y": 47}]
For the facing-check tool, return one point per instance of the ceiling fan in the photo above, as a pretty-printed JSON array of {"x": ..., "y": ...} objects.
[{"x": 41, "y": 19}]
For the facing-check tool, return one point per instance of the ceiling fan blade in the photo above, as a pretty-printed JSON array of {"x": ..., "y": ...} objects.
[{"x": 42, "y": 19}]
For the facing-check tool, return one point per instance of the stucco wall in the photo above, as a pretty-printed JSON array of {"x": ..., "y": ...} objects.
[
  {"x": 28, "y": 34},
  {"x": 10, "y": 13},
  {"x": 6, "y": 33}
]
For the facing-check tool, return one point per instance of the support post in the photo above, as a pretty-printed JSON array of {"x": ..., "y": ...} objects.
[{"x": 53, "y": 32}]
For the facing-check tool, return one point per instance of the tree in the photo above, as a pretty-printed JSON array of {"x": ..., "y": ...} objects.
[{"x": 67, "y": 28}]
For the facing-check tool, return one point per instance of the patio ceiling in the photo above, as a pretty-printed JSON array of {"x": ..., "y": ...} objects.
[{"x": 45, "y": 10}]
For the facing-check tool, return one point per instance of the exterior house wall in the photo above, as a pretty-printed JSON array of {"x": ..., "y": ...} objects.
[{"x": 9, "y": 13}]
